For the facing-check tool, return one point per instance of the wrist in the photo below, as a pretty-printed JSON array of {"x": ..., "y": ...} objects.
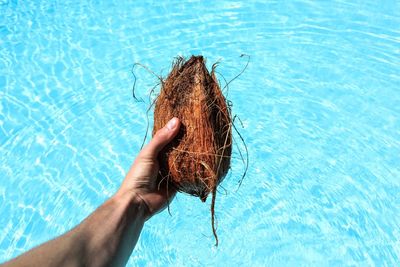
[{"x": 131, "y": 202}]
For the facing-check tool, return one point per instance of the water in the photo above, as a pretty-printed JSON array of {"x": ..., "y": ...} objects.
[{"x": 319, "y": 102}]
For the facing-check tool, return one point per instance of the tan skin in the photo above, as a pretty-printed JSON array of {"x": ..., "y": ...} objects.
[{"x": 107, "y": 237}]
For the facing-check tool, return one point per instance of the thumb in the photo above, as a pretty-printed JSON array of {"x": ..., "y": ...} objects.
[{"x": 161, "y": 139}]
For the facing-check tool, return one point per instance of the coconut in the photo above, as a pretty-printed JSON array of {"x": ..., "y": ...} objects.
[{"x": 198, "y": 159}]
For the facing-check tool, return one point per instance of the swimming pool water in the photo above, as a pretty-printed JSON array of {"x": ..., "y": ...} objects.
[{"x": 319, "y": 102}]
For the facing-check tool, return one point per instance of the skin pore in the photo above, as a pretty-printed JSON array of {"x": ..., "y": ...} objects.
[{"x": 108, "y": 236}]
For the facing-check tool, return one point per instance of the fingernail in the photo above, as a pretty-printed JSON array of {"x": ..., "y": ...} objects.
[{"x": 172, "y": 124}]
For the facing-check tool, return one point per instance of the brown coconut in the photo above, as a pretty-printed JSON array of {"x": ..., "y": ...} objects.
[{"x": 198, "y": 159}]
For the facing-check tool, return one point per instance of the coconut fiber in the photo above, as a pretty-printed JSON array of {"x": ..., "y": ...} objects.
[{"x": 197, "y": 160}]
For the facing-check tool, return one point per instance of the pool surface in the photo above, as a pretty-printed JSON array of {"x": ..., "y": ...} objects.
[{"x": 319, "y": 102}]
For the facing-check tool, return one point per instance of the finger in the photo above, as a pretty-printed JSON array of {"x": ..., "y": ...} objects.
[{"x": 161, "y": 139}]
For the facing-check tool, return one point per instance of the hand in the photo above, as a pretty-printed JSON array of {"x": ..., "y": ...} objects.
[{"x": 141, "y": 180}]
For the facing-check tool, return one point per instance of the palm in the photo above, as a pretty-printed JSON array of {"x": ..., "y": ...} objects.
[{"x": 142, "y": 177}]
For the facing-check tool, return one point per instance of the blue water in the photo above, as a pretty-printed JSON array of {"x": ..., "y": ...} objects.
[{"x": 319, "y": 102}]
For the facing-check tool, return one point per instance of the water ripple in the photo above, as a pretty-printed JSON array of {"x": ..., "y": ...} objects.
[{"x": 319, "y": 104}]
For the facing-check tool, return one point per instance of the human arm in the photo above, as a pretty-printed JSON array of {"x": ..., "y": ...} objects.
[{"x": 108, "y": 236}]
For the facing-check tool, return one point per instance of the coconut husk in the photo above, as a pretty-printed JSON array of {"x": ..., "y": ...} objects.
[{"x": 198, "y": 159}]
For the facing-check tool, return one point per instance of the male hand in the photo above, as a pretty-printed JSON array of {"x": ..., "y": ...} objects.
[{"x": 141, "y": 179}]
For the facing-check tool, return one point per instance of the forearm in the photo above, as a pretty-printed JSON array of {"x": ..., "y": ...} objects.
[
  {"x": 113, "y": 230},
  {"x": 106, "y": 238}
]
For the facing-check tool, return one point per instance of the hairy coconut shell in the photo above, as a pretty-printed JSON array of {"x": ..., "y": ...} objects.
[
  {"x": 197, "y": 160},
  {"x": 199, "y": 157}
]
